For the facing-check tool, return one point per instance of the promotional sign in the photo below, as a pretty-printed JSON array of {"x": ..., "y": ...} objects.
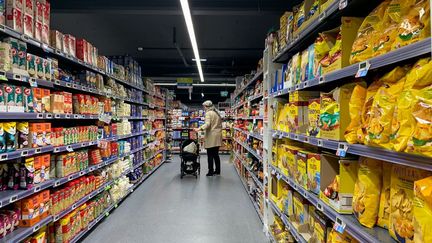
[{"x": 184, "y": 83}]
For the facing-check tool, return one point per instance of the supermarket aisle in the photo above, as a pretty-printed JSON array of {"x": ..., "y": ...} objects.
[{"x": 167, "y": 209}]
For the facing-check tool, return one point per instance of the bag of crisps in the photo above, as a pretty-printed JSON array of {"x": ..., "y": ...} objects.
[
  {"x": 420, "y": 141},
  {"x": 367, "y": 191},
  {"x": 402, "y": 199},
  {"x": 356, "y": 104},
  {"x": 415, "y": 25},
  {"x": 379, "y": 129},
  {"x": 372, "y": 25},
  {"x": 384, "y": 204},
  {"x": 336, "y": 237},
  {"x": 423, "y": 210},
  {"x": 365, "y": 111},
  {"x": 420, "y": 76},
  {"x": 391, "y": 21}
]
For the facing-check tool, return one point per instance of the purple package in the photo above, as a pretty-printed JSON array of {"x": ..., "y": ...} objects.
[
  {"x": 2, "y": 227},
  {"x": 13, "y": 177},
  {"x": 7, "y": 223}
]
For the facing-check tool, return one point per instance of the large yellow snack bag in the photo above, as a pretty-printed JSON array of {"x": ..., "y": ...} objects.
[
  {"x": 420, "y": 141},
  {"x": 415, "y": 25},
  {"x": 362, "y": 48},
  {"x": 391, "y": 21},
  {"x": 356, "y": 104},
  {"x": 336, "y": 237},
  {"x": 367, "y": 191},
  {"x": 420, "y": 76},
  {"x": 366, "y": 114},
  {"x": 384, "y": 204},
  {"x": 423, "y": 210},
  {"x": 402, "y": 199},
  {"x": 379, "y": 128}
]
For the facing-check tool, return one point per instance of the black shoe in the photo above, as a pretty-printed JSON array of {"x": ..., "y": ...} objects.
[
  {"x": 216, "y": 173},
  {"x": 209, "y": 174}
]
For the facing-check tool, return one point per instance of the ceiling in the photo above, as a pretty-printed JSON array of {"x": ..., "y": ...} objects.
[{"x": 230, "y": 35}]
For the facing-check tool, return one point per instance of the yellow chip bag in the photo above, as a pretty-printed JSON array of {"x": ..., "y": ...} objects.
[
  {"x": 423, "y": 210},
  {"x": 362, "y": 47},
  {"x": 379, "y": 129},
  {"x": 401, "y": 201},
  {"x": 420, "y": 76},
  {"x": 384, "y": 204},
  {"x": 356, "y": 104},
  {"x": 420, "y": 141},
  {"x": 336, "y": 237},
  {"x": 367, "y": 191},
  {"x": 415, "y": 25}
]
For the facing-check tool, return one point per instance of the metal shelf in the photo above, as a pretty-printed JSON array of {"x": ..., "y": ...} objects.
[
  {"x": 417, "y": 49},
  {"x": 249, "y": 149},
  {"x": 254, "y": 135},
  {"x": 251, "y": 172},
  {"x": 147, "y": 160},
  {"x": 254, "y": 79},
  {"x": 361, "y": 233},
  {"x": 257, "y": 210},
  {"x": 21, "y": 233},
  {"x": 402, "y": 158},
  {"x": 11, "y": 196}
]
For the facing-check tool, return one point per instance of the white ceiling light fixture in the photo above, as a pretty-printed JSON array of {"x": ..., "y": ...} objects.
[
  {"x": 202, "y": 59},
  {"x": 188, "y": 19},
  {"x": 202, "y": 95}
]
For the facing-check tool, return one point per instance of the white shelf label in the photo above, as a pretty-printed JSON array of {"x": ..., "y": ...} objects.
[
  {"x": 339, "y": 225},
  {"x": 69, "y": 148},
  {"x": 342, "y": 149},
  {"x": 363, "y": 69},
  {"x": 33, "y": 82},
  {"x": 321, "y": 79},
  {"x": 342, "y": 4}
]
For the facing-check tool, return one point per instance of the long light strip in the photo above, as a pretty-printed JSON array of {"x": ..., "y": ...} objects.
[{"x": 190, "y": 28}]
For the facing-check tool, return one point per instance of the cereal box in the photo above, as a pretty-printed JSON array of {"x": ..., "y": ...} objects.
[
  {"x": 38, "y": 30},
  {"x": 301, "y": 206},
  {"x": 314, "y": 172},
  {"x": 31, "y": 65},
  {"x": 301, "y": 173},
  {"x": 14, "y": 19},
  {"x": 313, "y": 112},
  {"x": 5, "y": 57}
]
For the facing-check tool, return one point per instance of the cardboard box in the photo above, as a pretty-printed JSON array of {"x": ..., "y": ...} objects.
[
  {"x": 56, "y": 39},
  {"x": 57, "y": 103},
  {"x": 38, "y": 15},
  {"x": 19, "y": 4},
  {"x": 46, "y": 159},
  {"x": 72, "y": 45},
  {"x": 301, "y": 172},
  {"x": 37, "y": 166},
  {"x": 45, "y": 34},
  {"x": 274, "y": 188},
  {"x": 39, "y": 67},
  {"x": 31, "y": 65},
  {"x": 301, "y": 209},
  {"x": 29, "y": 7},
  {"x": 28, "y": 25},
  {"x": 313, "y": 112},
  {"x": 81, "y": 49},
  {"x": 14, "y": 19},
  {"x": 46, "y": 8},
  {"x": 297, "y": 117},
  {"x": 5, "y": 57},
  {"x": 19, "y": 99},
  {"x": 334, "y": 112},
  {"x": 46, "y": 100},
  {"x": 38, "y": 30},
  {"x": 346, "y": 169},
  {"x": 303, "y": 96},
  {"x": 30, "y": 210},
  {"x": 346, "y": 35},
  {"x": 314, "y": 172}
]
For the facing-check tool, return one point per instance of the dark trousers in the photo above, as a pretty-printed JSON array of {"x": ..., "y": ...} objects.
[{"x": 213, "y": 155}]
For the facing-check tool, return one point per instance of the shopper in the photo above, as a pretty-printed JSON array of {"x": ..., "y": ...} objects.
[{"x": 213, "y": 136}]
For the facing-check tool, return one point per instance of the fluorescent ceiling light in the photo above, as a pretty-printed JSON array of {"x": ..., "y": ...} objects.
[
  {"x": 202, "y": 95},
  {"x": 190, "y": 28},
  {"x": 202, "y": 59}
]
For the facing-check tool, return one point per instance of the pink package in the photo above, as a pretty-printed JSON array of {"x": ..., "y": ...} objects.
[
  {"x": 45, "y": 34},
  {"x": 38, "y": 13},
  {"x": 2, "y": 227},
  {"x": 28, "y": 25},
  {"x": 29, "y": 7},
  {"x": 14, "y": 19},
  {"x": 14, "y": 4},
  {"x": 72, "y": 45},
  {"x": 46, "y": 13},
  {"x": 38, "y": 31},
  {"x": 66, "y": 44}
]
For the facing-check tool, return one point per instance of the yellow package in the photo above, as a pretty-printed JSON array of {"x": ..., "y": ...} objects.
[
  {"x": 401, "y": 198},
  {"x": 384, "y": 204},
  {"x": 313, "y": 112},
  {"x": 292, "y": 160},
  {"x": 366, "y": 110},
  {"x": 420, "y": 141},
  {"x": 367, "y": 191},
  {"x": 323, "y": 44},
  {"x": 362, "y": 47},
  {"x": 392, "y": 18},
  {"x": 356, "y": 104},
  {"x": 336, "y": 237},
  {"x": 420, "y": 76},
  {"x": 423, "y": 210},
  {"x": 283, "y": 154},
  {"x": 380, "y": 125},
  {"x": 415, "y": 25},
  {"x": 301, "y": 172}
]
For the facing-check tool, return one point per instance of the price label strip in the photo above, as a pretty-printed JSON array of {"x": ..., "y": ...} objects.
[
  {"x": 363, "y": 69},
  {"x": 342, "y": 149}
]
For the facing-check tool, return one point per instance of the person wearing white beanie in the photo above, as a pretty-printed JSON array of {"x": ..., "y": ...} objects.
[{"x": 213, "y": 136}]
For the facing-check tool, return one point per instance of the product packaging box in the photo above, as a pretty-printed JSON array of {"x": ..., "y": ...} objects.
[
  {"x": 288, "y": 78},
  {"x": 322, "y": 227},
  {"x": 274, "y": 188},
  {"x": 31, "y": 65},
  {"x": 47, "y": 69},
  {"x": 38, "y": 30},
  {"x": 46, "y": 100},
  {"x": 313, "y": 112},
  {"x": 303, "y": 96},
  {"x": 346, "y": 35},
  {"x": 338, "y": 176},
  {"x": 297, "y": 112},
  {"x": 334, "y": 112},
  {"x": 14, "y": 19},
  {"x": 39, "y": 67},
  {"x": 39, "y": 11},
  {"x": 56, "y": 39},
  {"x": 301, "y": 169},
  {"x": 30, "y": 210},
  {"x": 314, "y": 172},
  {"x": 301, "y": 209},
  {"x": 81, "y": 49},
  {"x": 45, "y": 34},
  {"x": 29, "y": 7},
  {"x": 57, "y": 104},
  {"x": 29, "y": 105},
  {"x": 28, "y": 25},
  {"x": 5, "y": 56},
  {"x": 310, "y": 9}
]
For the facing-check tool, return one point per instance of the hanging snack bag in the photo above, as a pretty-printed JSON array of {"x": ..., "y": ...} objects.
[
  {"x": 384, "y": 204},
  {"x": 372, "y": 25},
  {"x": 415, "y": 25},
  {"x": 402, "y": 200},
  {"x": 423, "y": 210},
  {"x": 367, "y": 191},
  {"x": 356, "y": 104}
]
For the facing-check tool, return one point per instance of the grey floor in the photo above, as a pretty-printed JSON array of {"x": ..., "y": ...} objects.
[{"x": 167, "y": 209}]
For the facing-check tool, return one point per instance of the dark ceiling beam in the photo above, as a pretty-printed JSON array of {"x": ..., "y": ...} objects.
[{"x": 165, "y": 12}]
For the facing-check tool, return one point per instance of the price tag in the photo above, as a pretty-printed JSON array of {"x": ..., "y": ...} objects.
[
  {"x": 342, "y": 149},
  {"x": 339, "y": 225},
  {"x": 319, "y": 142},
  {"x": 320, "y": 207},
  {"x": 33, "y": 82},
  {"x": 3, "y": 157},
  {"x": 69, "y": 148},
  {"x": 322, "y": 16},
  {"x": 24, "y": 153},
  {"x": 321, "y": 79},
  {"x": 56, "y": 116},
  {"x": 363, "y": 69},
  {"x": 36, "y": 228},
  {"x": 36, "y": 189},
  {"x": 342, "y": 4},
  {"x": 68, "y": 85},
  {"x": 13, "y": 199}
]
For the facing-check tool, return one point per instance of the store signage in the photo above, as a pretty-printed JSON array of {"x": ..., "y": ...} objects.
[
  {"x": 184, "y": 83},
  {"x": 224, "y": 93}
]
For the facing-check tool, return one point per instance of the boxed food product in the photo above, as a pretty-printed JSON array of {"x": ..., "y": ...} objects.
[
  {"x": 322, "y": 226},
  {"x": 296, "y": 67},
  {"x": 288, "y": 75},
  {"x": 5, "y": 56},
  {"x": 19, "y": 99},
  {"x": 23, "y": 131},
  {"x": 301, "y": 206},
  {"x": 402, "y": 200},
  {"x": 338, "y": 176},
  {"x": 334, "y": 112},
  {"x": 303, "y": 96},
  {"x": 29, "y": 7},
  {"x": 9, "y": 129},
  {"x": 300, "y": 175},
  {"x": 39, "y": 11},
  {"x": 31, "y": 65},
  {"x": 46, "y": 8},
  {"x": 57, "y": 103},
  {"x": 14, "y": 19},
  {"x": 30, "y": 210},
  {"x": 28, "y": 25},
  {"x": 313, "y": 112},
  {"x": 81, "y": 50},
  {"x": 47, "y": 69},
  {"x": 46, "y": 100},
  {"x": 38, "y": 28},
  {"x": 36, "y": 135},
  {"x": 289, "y": 207},
  {"x": 71, "y": 42},
  {"x": 297, "y": 117},
  {"x": 283, "y": 190},
  {"x": 39, "y": 67},
  {"x": 304, "y": 65},
  {"x": 367, "y": 191},
  {"x": 314, "y": 172},
  {"x": 45, "y": 34},
  {"x": 14, "y": 45},
  {"x": 56, "y": 39}
]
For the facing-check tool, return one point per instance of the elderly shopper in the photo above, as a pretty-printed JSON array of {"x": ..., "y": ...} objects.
[{"x": 213, "y": 136}]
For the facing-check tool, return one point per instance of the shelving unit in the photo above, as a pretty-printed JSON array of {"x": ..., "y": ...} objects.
[
  {"x": 146, "y": 147},
  {"x": 328, "y": 18}
]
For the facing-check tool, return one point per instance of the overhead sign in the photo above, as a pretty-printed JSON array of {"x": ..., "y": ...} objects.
[
  {"x": 224, "y": 93},
  {"x": 184, "y": 83}
]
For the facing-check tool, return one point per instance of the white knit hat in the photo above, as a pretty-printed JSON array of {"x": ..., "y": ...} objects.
[{"x": 208, "y": 103}]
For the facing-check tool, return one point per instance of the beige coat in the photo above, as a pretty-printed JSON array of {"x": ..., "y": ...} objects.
[{"x": 213, "y": 129}]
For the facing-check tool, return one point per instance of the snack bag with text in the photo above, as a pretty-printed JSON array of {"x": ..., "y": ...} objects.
[
  {"x": 423, "y": 210},
  {"x": 356, "y": 104}
]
